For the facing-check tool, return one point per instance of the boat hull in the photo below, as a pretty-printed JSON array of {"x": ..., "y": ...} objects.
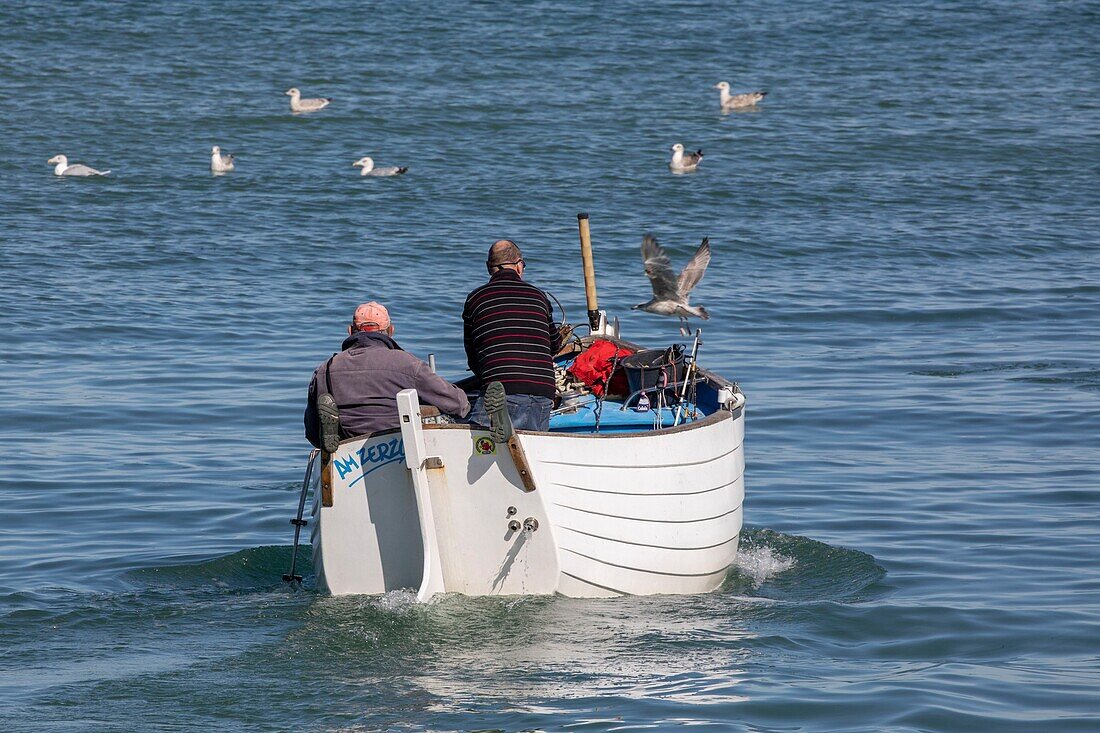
[{"x": 642, "y": 513}]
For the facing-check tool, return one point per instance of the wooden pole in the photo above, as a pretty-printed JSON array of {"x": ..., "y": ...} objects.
[{"x": 589, "y": 272}]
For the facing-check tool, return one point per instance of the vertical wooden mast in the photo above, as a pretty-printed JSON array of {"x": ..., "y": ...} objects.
[{"x": 589, "y": 272}]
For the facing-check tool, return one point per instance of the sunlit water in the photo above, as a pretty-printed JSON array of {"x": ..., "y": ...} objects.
[{"x": 905, "y": 283}]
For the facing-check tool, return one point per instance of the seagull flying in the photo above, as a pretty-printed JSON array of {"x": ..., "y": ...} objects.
[
  {"x": 670, "y": 293},
  {"x": 62, "y": 168},
  {"x": 220, "y": 163},
  {"x": 684, "y": 162},
  {"x": 297, "y": 104},
  {"x": 736, "y": 101},
  {"x": 367, "y": 164}
]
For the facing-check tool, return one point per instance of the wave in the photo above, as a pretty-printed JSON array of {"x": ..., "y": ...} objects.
[
  {"x": 769, "y": 564},
  {"x": 786, "y": 567},
  {"x": 253, "y": 569}
]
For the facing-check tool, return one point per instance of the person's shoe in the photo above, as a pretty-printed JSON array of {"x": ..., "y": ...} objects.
[
  {"x": 329, "y": 415},
  {"x": 496, "y": 407}
]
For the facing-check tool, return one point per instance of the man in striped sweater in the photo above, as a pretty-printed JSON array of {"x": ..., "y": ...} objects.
[{"x": 511, "y": 338}]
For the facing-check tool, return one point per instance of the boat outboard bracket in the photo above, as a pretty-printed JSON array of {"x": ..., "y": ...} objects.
[{"x": 298, "y": 522}]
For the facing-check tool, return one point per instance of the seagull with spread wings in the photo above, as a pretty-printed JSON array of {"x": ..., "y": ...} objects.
[{"x": 670, "y": 293}]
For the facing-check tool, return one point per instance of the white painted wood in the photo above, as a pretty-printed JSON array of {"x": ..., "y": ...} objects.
[
  {"x": 577, "y": 588},
  {"x": 628, "y": 581},
  {"x": 657, "y": 512},
  {"x": 412, "y": 434},
  {"x": 654, "y": 512},
  {"x": 471, "y": 495},
  {"x": 368, "y": 541},
  {"x": 648, "y": 558},
  {"x": 702, "y": 533},
  {"x": 689, "y": 505},
  {"x": 652, "y": 482}
]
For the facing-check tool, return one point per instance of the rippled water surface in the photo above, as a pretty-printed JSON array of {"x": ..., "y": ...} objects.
[{"x": 906, "y": 283}]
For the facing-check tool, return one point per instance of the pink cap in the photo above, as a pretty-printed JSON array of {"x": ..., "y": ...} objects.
[{"x": 371, "y": 317}]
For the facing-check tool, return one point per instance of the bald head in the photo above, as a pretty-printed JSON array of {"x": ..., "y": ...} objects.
[{"x": 504, "y": 255}]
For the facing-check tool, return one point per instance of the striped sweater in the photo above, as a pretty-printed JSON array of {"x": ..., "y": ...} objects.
[{"x": 510, "y": 336}]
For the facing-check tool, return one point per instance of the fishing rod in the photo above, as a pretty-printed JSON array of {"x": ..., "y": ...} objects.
[{"x": 689, "y": 375}]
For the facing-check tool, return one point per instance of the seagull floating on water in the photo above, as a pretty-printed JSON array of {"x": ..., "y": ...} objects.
[
  {"x": 670, "y": 293},
  {"x": 736, "y": 101},
  {"x": 367, "y": 164},
  {"x": 220, "y": 163},
  {"x": 297, "y": 104},
  {"x": 684, "y": 162},
  {"x": 62, "y": 168}
]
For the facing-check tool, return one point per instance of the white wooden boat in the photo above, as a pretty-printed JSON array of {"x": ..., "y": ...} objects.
[{"x": 631, "y": 509}]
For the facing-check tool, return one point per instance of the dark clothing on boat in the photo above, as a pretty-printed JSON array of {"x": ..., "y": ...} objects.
[
  {"x": 364, "y": 379},
  {"x": 510, "y": 336},
  {"x": 528, "y": 412}
]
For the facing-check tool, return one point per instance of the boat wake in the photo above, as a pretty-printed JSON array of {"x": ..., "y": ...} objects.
[
  {"x": 396, "y": 601},
  {"x": 249, "y": 570},
  {"x": 769, "y": 564},
  {"x": 786, "y": 567},
  {"x": 762, "y": 563}
]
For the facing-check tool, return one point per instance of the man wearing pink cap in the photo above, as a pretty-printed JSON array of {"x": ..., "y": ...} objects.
[{"x": 354, "y": 392}]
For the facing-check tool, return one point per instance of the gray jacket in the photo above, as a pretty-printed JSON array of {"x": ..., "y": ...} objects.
[{"x": 365, "y": 378}]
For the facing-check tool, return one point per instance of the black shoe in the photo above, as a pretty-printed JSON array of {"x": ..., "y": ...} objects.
[
  {"x": 495, "y": 402},
  {"x": 329, "y": 415}
]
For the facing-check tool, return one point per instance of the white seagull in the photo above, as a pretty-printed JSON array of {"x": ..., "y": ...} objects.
[
  {"x": 297, "y": 104},
  {"x": 684, "y": 162},
  {"x": 736, "y": 101},
  {"x": 62, "y": 168},
  {"x": 220, "y": 163},
  {"x": 670, "y": 293},
  {"x": 367, "y": 164}
]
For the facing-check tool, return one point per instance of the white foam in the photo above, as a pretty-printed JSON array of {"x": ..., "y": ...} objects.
[
  {"x": 396, "y": 601},
  {"x": 762, "y": 563}
]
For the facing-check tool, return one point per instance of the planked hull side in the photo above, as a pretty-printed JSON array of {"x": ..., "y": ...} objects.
[{"x": 645, "y": 513}]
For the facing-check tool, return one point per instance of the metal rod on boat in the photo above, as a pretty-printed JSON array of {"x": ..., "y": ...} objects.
[
  {"x": 589, "y": 272},
  {"x": 298, "y": 522},
  {"x": 689, "y": 375}
]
